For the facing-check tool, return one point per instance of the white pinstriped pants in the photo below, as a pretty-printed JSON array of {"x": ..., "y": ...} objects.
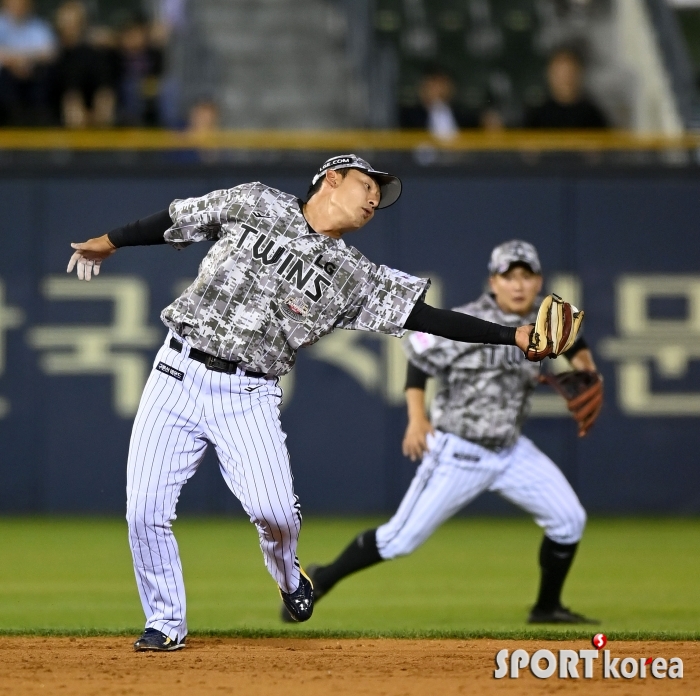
[
  {"x": 454, "y": 471},
  {"x": 180, "y": 414}
]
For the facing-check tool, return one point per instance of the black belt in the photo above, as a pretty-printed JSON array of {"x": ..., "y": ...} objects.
[{"x": 211, "y": 362}]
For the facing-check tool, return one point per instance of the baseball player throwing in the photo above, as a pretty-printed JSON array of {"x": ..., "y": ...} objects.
[
  {"x": 277, "y": 277},
  {"x": 473, "y": 442}
]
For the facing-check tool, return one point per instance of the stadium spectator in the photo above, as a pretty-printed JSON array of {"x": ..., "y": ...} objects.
[
  {"x": 170, "y": 17},
  {"x": 140, "y": 72},
  {"x": 203, "y": 118},
  {"x": 81, "y": 88},
  {"x": 27, "y": 45},
  {"x": 202, "y": 124},
  {"x": 567, "y": 106},
  {"x": 436, "y": 111},
  {"x": 172, "y": 31}
]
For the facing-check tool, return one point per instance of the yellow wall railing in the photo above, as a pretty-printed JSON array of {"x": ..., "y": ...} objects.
[{"x": 339, "y": 141}]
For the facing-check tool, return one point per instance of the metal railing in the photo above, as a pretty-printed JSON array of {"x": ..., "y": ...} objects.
[{"x": 341, "y": 140}]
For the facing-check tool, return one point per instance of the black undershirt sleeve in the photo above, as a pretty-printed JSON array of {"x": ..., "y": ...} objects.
[
  {"x": 415, "y": 377},
  {"x": 457, "y": 326},
  {"x": 143, "y": 232}
]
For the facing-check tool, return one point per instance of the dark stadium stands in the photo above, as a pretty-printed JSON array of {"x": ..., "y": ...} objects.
[
  {"x": 689, "y": 20},
  {"x": 495, "y": 50},
  {"x": 109, "y": 12}
]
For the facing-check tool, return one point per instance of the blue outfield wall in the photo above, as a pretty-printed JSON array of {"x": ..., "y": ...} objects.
[{"x": 73, "y": 357}]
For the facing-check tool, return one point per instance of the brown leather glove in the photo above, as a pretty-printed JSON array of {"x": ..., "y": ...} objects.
[
  {"x": 555, "y": 330},
  {"x": 583, "y": 392}
]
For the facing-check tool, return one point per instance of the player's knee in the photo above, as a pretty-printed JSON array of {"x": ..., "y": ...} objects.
[
  {"x": 143, "y": 514},
  {"x": 135, "y": 517},
  {"x": 275, "y": 524}
]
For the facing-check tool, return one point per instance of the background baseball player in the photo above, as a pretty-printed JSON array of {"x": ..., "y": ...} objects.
[
  {"x": 277, "y": 277},
  {"x": 474, "y": 442}
]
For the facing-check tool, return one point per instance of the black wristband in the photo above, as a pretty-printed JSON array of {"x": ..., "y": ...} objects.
[
  {"x": 415, "y": 377},
  {"x": 143, "y": 232},
  {"x": 505, "y": 336}
]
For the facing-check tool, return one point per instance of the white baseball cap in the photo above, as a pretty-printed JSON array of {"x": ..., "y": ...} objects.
[{"x": 389, "y": 185}]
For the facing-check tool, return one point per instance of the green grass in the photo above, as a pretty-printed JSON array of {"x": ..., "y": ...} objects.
[{"x": 474, "y": 577}]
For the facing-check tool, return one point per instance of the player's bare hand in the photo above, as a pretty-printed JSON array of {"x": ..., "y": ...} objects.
[
  {"x": 89, "y": 256},
  {"x": 415, "y": 440},
  {"x": 522, "y": 339}
]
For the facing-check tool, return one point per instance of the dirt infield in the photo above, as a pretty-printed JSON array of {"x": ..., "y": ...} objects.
[{"x": 263, "y": 667}]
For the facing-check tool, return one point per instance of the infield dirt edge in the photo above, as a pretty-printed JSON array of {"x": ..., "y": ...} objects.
[{"x": 547, "y": 634}]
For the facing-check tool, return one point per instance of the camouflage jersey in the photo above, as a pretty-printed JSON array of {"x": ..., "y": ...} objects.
[
  {"x": 270, "y": 284},
  {"x": 485, "y": 390}
]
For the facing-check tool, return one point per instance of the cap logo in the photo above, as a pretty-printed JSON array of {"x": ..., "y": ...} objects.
[{"x": 334, "y": 162}]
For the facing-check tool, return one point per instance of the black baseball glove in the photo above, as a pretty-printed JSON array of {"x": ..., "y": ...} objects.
[{"x": 583, "y": 392}]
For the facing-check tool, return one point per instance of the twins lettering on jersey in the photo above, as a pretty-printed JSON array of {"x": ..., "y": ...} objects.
[
  {"x": 502, "y": 356},
  {"x": 290, "y": 266}
]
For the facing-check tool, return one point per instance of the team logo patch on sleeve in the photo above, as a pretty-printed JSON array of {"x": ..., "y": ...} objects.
[
  {"x": 170, "y": 371},
  {"x": 421, "y": 342},
  {"x": 294, "y": 309}
]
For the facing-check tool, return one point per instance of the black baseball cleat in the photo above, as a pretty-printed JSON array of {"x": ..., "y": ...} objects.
[
  {"x": 285, "y": 615},
  {"x": 559, "y": 615},
  {"x": 152, "y": 639},
  {"x": 298, "y": 605}
]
